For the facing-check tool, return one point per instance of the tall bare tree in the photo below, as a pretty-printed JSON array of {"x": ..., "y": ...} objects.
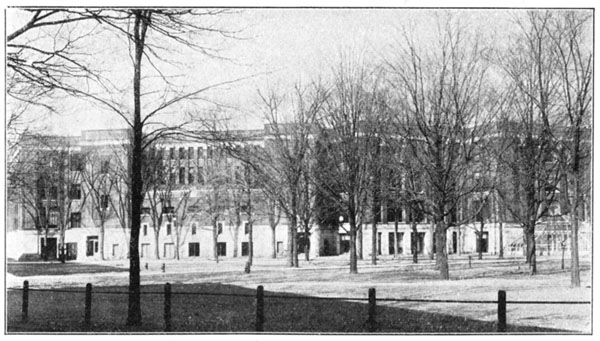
[
  {"x": 570, "y": 33},
  {"x": 441, "y": 92}
]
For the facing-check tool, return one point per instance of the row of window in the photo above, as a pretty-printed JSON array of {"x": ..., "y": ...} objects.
[
  {"x": 194, "y": 228},
  {"x": 193, "y": 249}
]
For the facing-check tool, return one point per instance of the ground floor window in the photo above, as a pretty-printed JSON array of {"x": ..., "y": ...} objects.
[
  {"x": 71, "y": 251},
  {"x": 115, "y": 250},
  {"x": 245, "y": 248},
  {"x": 399, "y": 237},
  {"x": 91, "y": 245},
  {"x": 194, "y": 249},
  {"x": 417, "y": 242},
  {"x": 222, "y": 249},
  {"x": 279, "y": 247},
  {"x": 169, "y": 250}
]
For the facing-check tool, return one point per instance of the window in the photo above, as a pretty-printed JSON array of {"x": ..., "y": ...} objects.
[
  {"x": 194, "y": 228},
  {"x": 104, "y": 200},
  {"x": 200, "y": 153},
  {"x": 91, "y": 245},
  {"x": 115, "y": 250},
  {"x": 171, "y": 153},
  {"x": 190, "y": 153},
  {"x": 145, "y": 229},
  {"x": 222, "y": 249},
  {"x": 246, "y": 228},
  {"x": 75, "y": 219},
  {"x": 482, "y": 244},
  {"x": 75, "y": 192},
  {"x": 168, "y": 229},
  {"x": 279, "y": 247},
  {"x": 191, "y": 176},
  {"x": 53, "y": 217},
  {"x": 76, "y": 162},
  {"x": 209, "y": 152},
  {"x": 105, "y": 167},
  {"x": 146, "y": 210},
  {"x": 182, "y": 175},
  {"x": 181, "y": 153},
  {"x": 245, "y": 248},
  {"x": 168, "y": 210},
  {"x": 219, "y": 228},
  {"x": 193, "y": 249}
]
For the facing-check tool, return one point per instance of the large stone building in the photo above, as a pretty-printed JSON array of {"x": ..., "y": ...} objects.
[{"x": 70, "y": 199}]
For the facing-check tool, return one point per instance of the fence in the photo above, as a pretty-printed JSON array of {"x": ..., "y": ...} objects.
[{"x": 371, "y": 324}]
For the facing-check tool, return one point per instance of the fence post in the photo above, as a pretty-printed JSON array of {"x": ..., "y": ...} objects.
[
  {"x": 25, "y": 310},
  {"x": 260, "y": 309},
  {"x": 88, "y": 304},
  {"x": 371, "y": 323},
  {"x": 501, "y": 311},
  {"x": 469, "y": 261},
  {"x": 167, "y": 307}
]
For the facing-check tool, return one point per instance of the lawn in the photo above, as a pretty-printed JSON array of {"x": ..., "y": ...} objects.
[
  {"x": 232, "y": 309},
  {"x": 57, "y": 268}
]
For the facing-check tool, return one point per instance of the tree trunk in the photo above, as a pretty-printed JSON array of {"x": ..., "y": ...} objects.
[
  {"x": 441, "y": 255},
  {"x": 156, "y": 243},
  {"x": 575, "y": 276},
  {"x": 134, "y": 309},
  {"x": 531, "y": 251},
  {"x": 274, "y": 241},
  {"x": 250, "y": 243},
  {"x": 359, "y": 241},
  {"x": 101, "y": 241},
  {"x": 236, "y": 239},
  {"x": 290, "y": 242},
  {"x": 215, "y": 237},
  {"x": 414, "y": 241},
  {"x": 432, "y": 241},
  {"x": 353, "y": 259},
  {"x": 501, "y": 240},
  {"x": 396, "y": 235},
  {"x": 374, "y": 250},
  {"x": 295, "y": 247},
  {"x": 480, "y": 240}
]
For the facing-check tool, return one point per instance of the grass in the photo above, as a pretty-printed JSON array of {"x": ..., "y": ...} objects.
[{"x": 233, "y": 310}]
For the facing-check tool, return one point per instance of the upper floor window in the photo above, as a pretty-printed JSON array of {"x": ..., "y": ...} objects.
[
  {"x": 194, "y": 228},
  {"x": 181, "y": 153},
  {"x": 77, "y": 162},
  {"x": 182, "y": 175},
  {"x": 168, "y": 229},
  {"x": 75, "y": 192},
  {"x": 75, "y": 219},
  {"x": 246, "y": 228},
  {"x": 104, "y": 200},
  {"x": 190, "y": 153},
  {"x": 219, "y": 228}
]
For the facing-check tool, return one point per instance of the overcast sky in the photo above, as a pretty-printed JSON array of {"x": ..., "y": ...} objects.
[{"x": 283, "y": 46}]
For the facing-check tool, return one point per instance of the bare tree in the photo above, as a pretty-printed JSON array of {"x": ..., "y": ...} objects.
[
  {"x": 570, "y": 33},
  {"x": 346, "y": 139},
  {"x": 441, "y": 92},
  {"x": 528, "y": 127}
]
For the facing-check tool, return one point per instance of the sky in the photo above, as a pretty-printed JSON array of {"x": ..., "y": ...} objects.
[{"x": 275, "y": 49}]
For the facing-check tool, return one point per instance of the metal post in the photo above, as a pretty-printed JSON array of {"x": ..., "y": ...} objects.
[
  {"x": 167, "y": 307},
  {"x": 501, "y": 311},
  {"x": 88, "y": 303},
  {"x": 24, "y": 312},
  {"x": 371, "y": 323},
  {"x": 260, "y": 309}
]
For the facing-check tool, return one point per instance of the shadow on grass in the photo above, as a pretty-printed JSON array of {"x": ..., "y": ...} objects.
[
  {"x": 227, "y": 310},
  {"x": 57, "y": 269}
]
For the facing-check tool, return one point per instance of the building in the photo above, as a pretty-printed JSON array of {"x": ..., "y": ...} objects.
[{"x": 70, "y": 200}]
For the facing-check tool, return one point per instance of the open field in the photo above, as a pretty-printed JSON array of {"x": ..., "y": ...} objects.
[{"x": 323, "y": 277}]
